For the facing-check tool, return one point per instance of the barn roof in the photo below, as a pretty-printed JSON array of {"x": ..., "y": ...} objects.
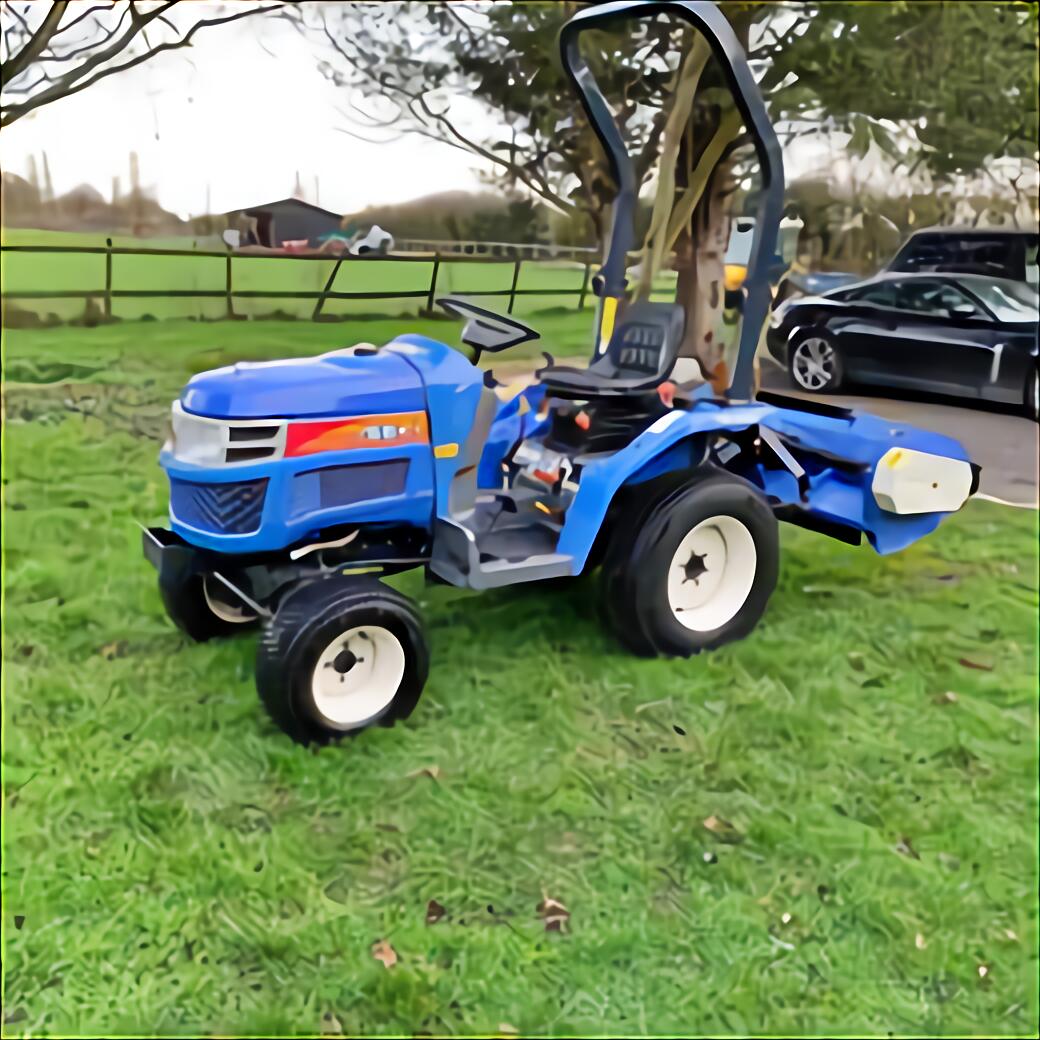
[{"x": 263, "y": 207}]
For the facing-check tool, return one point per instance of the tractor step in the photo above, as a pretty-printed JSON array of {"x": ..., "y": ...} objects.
[{"x": 463, "y": 558}]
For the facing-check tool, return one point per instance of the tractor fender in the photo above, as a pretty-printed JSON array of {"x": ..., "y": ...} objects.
[{"x": 653, "y": 453}]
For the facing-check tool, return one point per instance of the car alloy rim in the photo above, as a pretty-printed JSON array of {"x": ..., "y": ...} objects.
[
  {"x": 711, "y": 573},
  {"x": 813, "y": 365},
  {"x": 358, "y": 675},
  {"x": 219, "y": 600}
]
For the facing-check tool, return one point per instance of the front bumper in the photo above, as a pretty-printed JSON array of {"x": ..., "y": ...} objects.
[
  {"x": 269, "y": 506},
  {"x": 776, "y": 344}
]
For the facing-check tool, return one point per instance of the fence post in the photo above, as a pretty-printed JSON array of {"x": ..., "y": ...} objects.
[
  {"x": 584, "y": 287},
  {"x": 324, "y": 292},
  {"x": 108, "y": 279},
  {"x": 433, "y": 282},
  {"x": 512, "y": 288},
  {"x": 229, "y": 307}
]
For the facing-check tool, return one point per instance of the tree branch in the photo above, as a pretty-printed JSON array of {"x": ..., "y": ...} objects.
[
  {"x": 37, "y": 42},
  {"x": 67, "y": 84}
]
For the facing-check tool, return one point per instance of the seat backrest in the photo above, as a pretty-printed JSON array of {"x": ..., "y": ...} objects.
[{"x": 645, "y": 342}]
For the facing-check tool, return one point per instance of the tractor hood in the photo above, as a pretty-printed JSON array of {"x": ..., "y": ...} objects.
[{"x": 334, "y": 384}]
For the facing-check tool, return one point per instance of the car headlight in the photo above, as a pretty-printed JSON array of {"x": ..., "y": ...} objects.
[{"x": 777, "y": 317}]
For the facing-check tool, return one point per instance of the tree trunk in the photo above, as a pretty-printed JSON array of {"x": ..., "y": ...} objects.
[{"x": 700, "y": 288}]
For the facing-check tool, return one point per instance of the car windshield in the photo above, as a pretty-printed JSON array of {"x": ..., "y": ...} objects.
[
  {"x": 1009, "y": 301},
  {"x": 998, "y": 255}
]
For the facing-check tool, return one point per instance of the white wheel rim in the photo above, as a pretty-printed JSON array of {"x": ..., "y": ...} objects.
[
  {"x": 223, "y": 608},
  {"x": 813, "y": 363},
  {"x": 358, "y": 675},
  {"x": 711, "y": 573}
]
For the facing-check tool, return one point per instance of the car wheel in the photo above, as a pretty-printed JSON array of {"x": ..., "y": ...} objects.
[
  {"x": 699, "y": 572},
  {"x": 340, "y": 655},
  {"x": 203, "y": 608},
  {"x": 815, "y": 364}
]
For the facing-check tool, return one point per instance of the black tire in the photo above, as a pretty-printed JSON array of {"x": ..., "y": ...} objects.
[
  {"x": 309, "y": 620},
  {"x": 803, "y": 347},
  {"x": 192, "y": 603},
  {"x": 636, "y": 575}
]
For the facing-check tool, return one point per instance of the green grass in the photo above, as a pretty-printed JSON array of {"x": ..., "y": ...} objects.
[
  {"x": 24, "y": 272},
  {"x": 173, "y": 864}
]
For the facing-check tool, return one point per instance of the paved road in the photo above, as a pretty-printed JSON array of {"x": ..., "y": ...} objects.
[{"x": 1003, "y": 444}]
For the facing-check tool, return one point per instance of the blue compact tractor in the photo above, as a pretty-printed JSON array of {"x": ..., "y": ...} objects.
[{"x": 295, "y": 484}]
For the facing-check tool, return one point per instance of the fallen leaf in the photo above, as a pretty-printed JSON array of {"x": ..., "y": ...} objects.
[
  {"x": 967, "y": 663},
  {"x": 723, "y": 830},
  {"x": 383, "y": 951},
  {"x": 949, "y": 697},
  {"x": 330, "y": 1025},
  {"x": 1011, "y": 935},
  {"x": 856, "y": 661},
  {"x": 507, "y": 1029},
  {"x": 434, "y": 911},
  {"x": 920, "y": 941},
  {"x": 946, "y": 577},
  {"x": 905, "y": 847},
  {"x": 110, "y": 651},
  {"x": 553, "y": 913},
  {"x": 433, "y": 772}
]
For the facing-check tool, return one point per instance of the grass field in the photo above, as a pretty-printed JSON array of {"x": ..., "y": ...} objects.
[
  {"x": 174, "y": 865},
  {"x": 25, "y": 272}
]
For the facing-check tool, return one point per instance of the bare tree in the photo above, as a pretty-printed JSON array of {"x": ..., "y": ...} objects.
[
  {"x": 421, "y": 68},
  {"x": 51, "y": 51}
]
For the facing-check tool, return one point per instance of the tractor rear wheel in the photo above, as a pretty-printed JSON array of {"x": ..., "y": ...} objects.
[
  {"x": 696, "y": 572},
  {"x": 341, "y": 654}
]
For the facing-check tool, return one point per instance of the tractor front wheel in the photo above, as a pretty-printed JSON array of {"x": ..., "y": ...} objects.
[
  {"x": 341, "y": 654},
  {"x": 202, "y": 607},
  {"x": 697, "y": 572}
]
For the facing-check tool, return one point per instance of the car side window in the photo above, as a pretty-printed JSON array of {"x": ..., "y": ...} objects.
[
  {"x": 938, "y": 298},
  {"x": 881, "y": 295}
]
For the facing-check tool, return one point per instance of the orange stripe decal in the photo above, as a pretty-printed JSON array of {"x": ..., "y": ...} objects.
[{"x": 388, "y": 431}]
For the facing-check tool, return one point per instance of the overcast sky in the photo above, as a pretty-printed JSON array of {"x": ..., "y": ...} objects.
[
  {"x": 236, "y": 115},
  {"x": 228, "y": 123}
]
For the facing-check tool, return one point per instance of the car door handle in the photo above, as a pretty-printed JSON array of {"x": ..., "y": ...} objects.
[{"x": 994, "y": 368}]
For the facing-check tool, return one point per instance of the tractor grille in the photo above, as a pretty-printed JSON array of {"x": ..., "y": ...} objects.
[
  {"x": 221, "y": 508},
  {"x": 346, "y": 485}
]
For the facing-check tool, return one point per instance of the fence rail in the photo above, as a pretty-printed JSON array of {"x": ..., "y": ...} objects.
[
  {"x": 229, "y": 293},
  {"x": 499, "y": 250}
]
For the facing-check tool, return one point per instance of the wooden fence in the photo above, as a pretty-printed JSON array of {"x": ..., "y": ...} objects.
[{"x": 229, "y": 293}]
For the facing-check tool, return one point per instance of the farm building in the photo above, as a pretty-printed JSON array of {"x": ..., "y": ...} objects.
[{"x": 289, "y": 220}]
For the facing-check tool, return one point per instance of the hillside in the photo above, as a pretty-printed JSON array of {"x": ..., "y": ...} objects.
[{"x": 84, "y": 208}]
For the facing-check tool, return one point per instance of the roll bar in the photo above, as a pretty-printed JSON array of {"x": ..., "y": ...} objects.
[{"x": 704, "y": 16}]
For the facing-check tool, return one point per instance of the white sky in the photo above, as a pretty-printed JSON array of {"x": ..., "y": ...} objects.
[
  {"x": 228, "y": 122},
  {"x": 226, "y": 117}
]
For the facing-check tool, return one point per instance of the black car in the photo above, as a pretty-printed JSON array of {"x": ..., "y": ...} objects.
[
  {"x": 996, "y": 252},
  {"x": 951, "y": 334}
]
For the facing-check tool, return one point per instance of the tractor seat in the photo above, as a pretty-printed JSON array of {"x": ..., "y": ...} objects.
[{"x": 640, "y": 356}]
